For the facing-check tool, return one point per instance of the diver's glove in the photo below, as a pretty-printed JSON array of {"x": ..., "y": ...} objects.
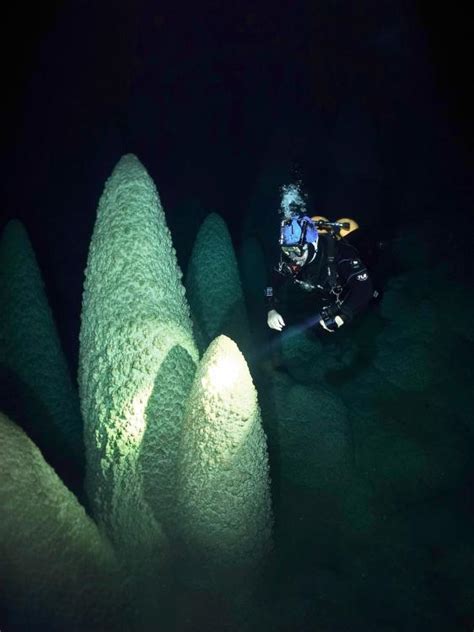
[
  {"x": 275, "y": 320},
  {"x": 331, "y": 320}
]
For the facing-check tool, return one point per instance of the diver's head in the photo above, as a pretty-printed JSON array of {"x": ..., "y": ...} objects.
[{"x": 299, "y": 239}]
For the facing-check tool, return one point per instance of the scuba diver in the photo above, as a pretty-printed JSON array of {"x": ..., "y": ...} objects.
[{"x": 320, "y": 282}]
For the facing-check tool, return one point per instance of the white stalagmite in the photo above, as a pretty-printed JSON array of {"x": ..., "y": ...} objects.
[
  {"x": 57, "y": 571},
  {"x": 32, "y": 361},
  {"x": 137, "y": 361},
  {"x": 224, "y": 505},
  {"x": 214, "y": 288}
]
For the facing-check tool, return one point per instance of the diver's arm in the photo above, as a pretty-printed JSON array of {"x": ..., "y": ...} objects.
[
  {"x": 274, "y": 318},
  {"x": 356, "y": 299},
  {"x": 357, "y": 286},
  {"x": 358, "y": 291},
  {"x": 272, "y": 291}
]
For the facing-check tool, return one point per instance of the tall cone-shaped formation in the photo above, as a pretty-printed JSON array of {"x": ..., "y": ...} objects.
[
  {"x": 38, "y": 390},
  {"x": 58, "y": 572},
  {"x": 213, "y": 286},
  {"x": 137, "y": 361},
  {"x": 224, "y": 505}
]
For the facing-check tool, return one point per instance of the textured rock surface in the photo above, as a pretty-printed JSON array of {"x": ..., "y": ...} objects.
[
  {"x": 406, "y": 364},
  {"x": 224, "y": 496},
  {"x": 213, "y": 286},
  {"x": 410, "y": 450},
  {"x": 58, "y": 573},
  {"x": 408, "y": 353},
  {"x": 137, "y": 359},
  {"x": 313, "y": 434},
  {"x": 308, "y": 359},
  {"x": 38, "y": 388}
]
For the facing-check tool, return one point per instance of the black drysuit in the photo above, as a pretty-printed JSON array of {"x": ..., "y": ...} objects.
[{"x": 343, "y": 287}]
